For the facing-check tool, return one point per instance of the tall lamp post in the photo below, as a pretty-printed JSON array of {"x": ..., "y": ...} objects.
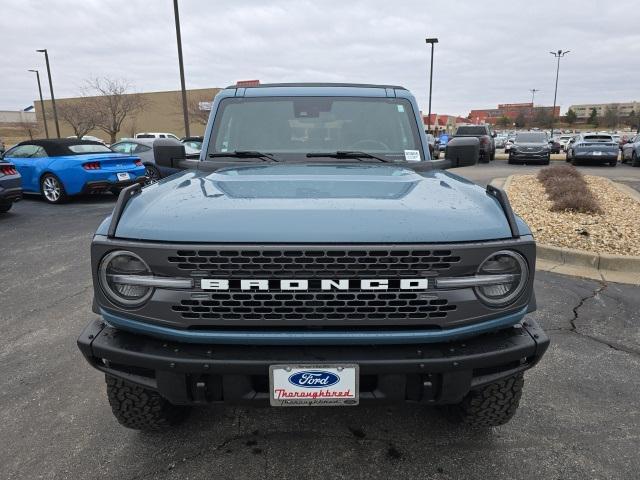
[
  {"x": 185, "y": 112},
  {"x": 44, "y": 115},
  {"x": 432, "y": 41},
  {"x": 533, "y": 94},
  {"x": 53, "y": 98},
  {"x": 559, "y": 54}
]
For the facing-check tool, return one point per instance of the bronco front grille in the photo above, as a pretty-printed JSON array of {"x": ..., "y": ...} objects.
[
  {"x": 315, "y": 263},
  {"x": 310, "y": 306}
]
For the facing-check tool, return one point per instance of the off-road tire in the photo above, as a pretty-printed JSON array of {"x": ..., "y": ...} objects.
[
  {"x": 142, "y": 409},
  {"x": 492, "y": 156},
  {"x": 490, "y": 406},
  {"x": 634, "y": 160},
  {"x": 5, "y": 207}
]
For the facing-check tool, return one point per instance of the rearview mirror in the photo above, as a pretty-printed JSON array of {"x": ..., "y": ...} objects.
[{"x": 167, "y": 153}]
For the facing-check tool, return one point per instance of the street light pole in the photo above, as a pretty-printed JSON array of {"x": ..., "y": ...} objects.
[
  {"x": 432, "y": 41},
  {"x": 44, "y": 115},
  {"x": 559, "y": 54},
  {"x": 185, "y": 113},
  {"x": 53, "y": 98},
  {"x": 533, "y": 94}
]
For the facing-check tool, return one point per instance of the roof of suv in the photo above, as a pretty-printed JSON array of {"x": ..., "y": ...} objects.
[{"x": 312, "y": 84}]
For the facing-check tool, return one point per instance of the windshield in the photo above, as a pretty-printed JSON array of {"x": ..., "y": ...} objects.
[
  {"x": 290, "y": 127},
  {"x": 531, "y": 137},
  {"x": 598, "y": 138},
  {"x": 89, "y": 148},
  {"x": 471, "y": 131}
]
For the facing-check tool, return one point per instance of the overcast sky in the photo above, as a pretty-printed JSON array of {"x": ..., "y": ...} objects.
[{"x": 490, "y": 52}]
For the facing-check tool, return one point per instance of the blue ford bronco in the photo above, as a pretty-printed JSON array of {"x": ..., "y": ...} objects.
[{"x": 313, "y": 255}]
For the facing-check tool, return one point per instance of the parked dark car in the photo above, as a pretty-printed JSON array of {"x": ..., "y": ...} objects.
[
  {"x": 593, "y": 148},
  {"x": 530, "y": 147},
  {"x": 631, "y": 151},
  {"x": 554, "y": 145},
  {"x": 10, "y": 185},
  {"x": 486, "y": 137}
]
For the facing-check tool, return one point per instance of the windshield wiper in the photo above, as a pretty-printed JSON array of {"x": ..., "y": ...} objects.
[
  {"x": 347, "y": 154},
  {"x": 245, "y": 154}
]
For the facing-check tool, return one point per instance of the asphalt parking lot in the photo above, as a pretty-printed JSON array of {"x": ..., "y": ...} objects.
[{"x": 579, "y": 416}]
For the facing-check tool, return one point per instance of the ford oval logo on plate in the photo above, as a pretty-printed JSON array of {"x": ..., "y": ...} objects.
[{"x": 313, "y": 379}]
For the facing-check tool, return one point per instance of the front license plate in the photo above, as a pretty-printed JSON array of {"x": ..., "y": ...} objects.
[
  {"x": 597, "y": 154},
  {"x": 123, "y": 176},
  {"x": 313, "y": 385}
]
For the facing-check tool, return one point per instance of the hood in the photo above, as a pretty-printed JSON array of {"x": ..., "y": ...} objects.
[
  {"x": 327, "y": 203},
  {"x": 531, "y": 144}
]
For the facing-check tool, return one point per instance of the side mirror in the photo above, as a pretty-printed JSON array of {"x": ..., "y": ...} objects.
[
  {"x": 463, "y": 151},
  {"x": 168, "y": 153}
]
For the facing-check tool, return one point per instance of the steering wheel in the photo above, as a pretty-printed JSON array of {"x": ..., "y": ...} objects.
[{"x": 362, "y": 144}]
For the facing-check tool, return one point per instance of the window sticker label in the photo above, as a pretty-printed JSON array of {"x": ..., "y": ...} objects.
[
  {"x": 412, "y": 155},
  {"x": 400, "y": 108}
]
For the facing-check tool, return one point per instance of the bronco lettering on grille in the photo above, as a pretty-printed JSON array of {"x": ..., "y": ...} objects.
[{"x": 315, "y": 284}]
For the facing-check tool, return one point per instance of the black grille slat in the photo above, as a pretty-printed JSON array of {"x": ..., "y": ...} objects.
[
  {"x": 276, "y": 264},
  {"x": 391, "y": 305}
]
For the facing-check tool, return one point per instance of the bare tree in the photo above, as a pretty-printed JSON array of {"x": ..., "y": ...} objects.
[
  {"x": 28, "y": 128},
  {"x": 80, "y": 115},
  {"x": 113, "y": 104}
]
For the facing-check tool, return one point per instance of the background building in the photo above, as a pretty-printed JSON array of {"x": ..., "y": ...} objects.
[
  {"x": 440, "y": 122},
  {"x": 623, "y": 109},
  {"x": 161, "y": 112},
  {"x": 512, "y": 111}
]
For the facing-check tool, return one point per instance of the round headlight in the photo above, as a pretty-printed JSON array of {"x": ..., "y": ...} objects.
[
  {"x": 117, "y": 278},
  {"x": 511, "y": 272}
]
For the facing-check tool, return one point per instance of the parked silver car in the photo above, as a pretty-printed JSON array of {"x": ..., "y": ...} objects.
[
  {"x": 143, "y": 148},
  {"x": 593, "y": 148},
  {"x": 631, "y": 151}
]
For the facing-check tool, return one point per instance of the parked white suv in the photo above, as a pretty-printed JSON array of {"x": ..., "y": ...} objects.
[{"x": 156, "y": 135}]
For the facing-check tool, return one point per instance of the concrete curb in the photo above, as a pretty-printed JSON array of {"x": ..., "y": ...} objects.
[{"x": 610, "y": 267}]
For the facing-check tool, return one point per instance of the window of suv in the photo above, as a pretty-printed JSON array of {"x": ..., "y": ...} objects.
[
  {"x": 531, "y": 137},
  {"x": 292, "y": 126},
  {"x": 475, "y": 130}
]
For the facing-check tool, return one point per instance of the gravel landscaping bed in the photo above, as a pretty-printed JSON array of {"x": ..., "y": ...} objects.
[{"x": 616, "y": 230}]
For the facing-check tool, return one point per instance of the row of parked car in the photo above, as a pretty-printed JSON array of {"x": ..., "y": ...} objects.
[{"x": 60, "y": 168}]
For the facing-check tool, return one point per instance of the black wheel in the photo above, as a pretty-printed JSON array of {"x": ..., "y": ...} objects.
[
  {"x": 492, "y": 156},
  {"x": 510, "y": 160},
  {"x": 52, "y": 189},
  {"x": 547, "y": 161},
  {"x": 634, "y": 160},
  {"x": 142, "y": 409},
  {"x": 153, "y": 174},
  {"x": 492, "y": 405},
  {"x": 613, "y": 163},
  {"x": 5, "y": 207}
]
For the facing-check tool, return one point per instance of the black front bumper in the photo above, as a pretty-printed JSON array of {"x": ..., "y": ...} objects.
[{"x": 191, "y": 374}]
